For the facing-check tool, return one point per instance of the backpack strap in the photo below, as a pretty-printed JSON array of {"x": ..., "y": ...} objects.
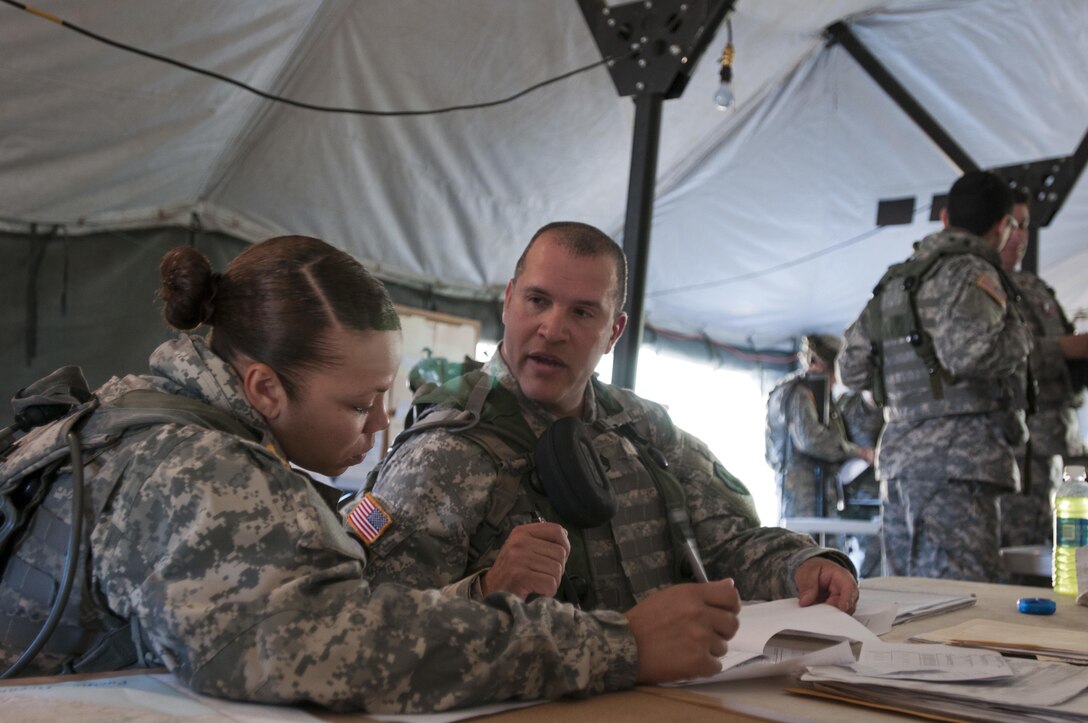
[{"x": 173, "y": 408}]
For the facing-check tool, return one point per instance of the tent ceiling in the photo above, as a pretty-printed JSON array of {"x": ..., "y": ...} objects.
[{"x": 764, "y": 221}]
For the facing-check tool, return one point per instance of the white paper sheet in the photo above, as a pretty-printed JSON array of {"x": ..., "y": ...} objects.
[
  {"x": 917, "y": 661},
  {"x": 781, "y": 637}
]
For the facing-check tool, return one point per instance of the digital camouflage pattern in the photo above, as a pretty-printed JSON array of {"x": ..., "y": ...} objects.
[
  {"x": 864, "y": 422},
  {"x": 976, "y": 337},
  {"x": 942, "y": 528},
  {"x": 815, "y": 449},
  {"x": 1028, "y": 519},
  {"x": 437, "y": 488},
  {"x": 246, "y": 586}
]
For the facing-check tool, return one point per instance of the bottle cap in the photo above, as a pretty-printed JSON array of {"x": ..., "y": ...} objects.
[{"x": 1036, "y": 606}]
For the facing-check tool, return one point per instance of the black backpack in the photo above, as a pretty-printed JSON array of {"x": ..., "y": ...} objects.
[{"x": 60, "y": 427}]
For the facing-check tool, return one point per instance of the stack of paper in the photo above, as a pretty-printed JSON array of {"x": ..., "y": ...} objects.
[
  {"x": 910, "y": 604},
  {"x": 969, "y": 684},
  {"x": 1071, "y": 645}
]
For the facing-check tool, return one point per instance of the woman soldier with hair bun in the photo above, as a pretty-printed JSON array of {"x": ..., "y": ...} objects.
[{"x": 231, "y": 567}]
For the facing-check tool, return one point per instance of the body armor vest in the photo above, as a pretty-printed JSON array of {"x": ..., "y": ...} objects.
[
  {"x": 912, "y": 384},
  {"x": 643, "y": 546}
]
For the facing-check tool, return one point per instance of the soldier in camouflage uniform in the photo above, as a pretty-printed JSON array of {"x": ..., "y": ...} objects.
[
  {"x": 232, "y": 566},
  {"x": 864, "y": 421},
  {"x": 1027, "y": 519},
  {"x": 951, "y": 380},
  {"x": 562, "y": 311},
  {"x": 814, "y": 449}
]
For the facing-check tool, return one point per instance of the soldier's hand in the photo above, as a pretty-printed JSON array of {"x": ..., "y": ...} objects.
[
  {"x": 681, "y": 631},
  {"x": 530, "y": 561},
  {"x": 867, "y": 454},
  {"x": 820, "y": 580}
]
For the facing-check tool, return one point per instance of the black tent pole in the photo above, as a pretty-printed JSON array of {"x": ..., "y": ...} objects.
[{"x": 636, "y": 231}]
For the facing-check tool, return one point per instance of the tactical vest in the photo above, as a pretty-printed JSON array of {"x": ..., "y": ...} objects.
[
  {"x": 476, "y": 407},
  {"x": 911, "y": 384},
  {"x": 48, "y": 608}
]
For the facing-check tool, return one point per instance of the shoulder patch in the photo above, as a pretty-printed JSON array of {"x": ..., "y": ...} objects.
[
  {"x": 369, "y": 519},
  {"x": 993, "y": 288},
  {"x": 730, "y": 481}
]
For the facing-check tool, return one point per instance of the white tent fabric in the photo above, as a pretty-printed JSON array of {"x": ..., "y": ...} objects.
[{"x": 764, "y": 221}]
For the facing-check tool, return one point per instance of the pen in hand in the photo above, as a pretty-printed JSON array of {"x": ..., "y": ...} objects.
[
  {"x": 692, "y": 554},
  {"x": 691, "y": 551},
  {"x": 564, "y": 582}
]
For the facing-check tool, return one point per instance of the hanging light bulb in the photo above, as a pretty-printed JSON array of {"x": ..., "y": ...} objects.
[{"x": 724, "y": 98}]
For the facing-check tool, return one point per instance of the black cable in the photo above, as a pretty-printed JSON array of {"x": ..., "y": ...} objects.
[
  {"x": 299, "y": 104},
  {"x": 71, "y": 557}
]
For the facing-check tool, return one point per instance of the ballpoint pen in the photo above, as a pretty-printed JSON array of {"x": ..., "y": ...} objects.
[{"x": 691, "y": 551}]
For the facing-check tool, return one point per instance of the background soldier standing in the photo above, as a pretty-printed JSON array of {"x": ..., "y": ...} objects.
[
  {"x": 864, "y": 420},
  {"x": 945, "y": 353},
  {"x": 1026, "y": 519},
  {"x": 807, "y": 441}
]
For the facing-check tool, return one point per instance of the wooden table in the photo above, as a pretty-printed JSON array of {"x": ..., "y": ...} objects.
[
  {"x": 761, "y": 699},
  {"x": 766, "y": 699}
]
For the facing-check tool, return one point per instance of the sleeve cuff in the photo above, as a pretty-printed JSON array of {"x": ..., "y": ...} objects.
[
  {"x": 469, "y": 588},
  {"x": 620, "y": 657}
]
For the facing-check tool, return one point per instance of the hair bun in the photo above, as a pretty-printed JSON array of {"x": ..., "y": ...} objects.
[{"x": 188, "y": 288}]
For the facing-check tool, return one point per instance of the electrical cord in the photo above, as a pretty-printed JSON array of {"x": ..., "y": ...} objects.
[
  {"x": 71, "y": 557},
  {"x": 296, "y": 103}
]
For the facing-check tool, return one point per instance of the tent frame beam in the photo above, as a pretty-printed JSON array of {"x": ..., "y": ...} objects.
[
  {"x": 1050, "y": 180},
  {"x": 652, "y": 64},
  {"x": 841, "y": 33}
]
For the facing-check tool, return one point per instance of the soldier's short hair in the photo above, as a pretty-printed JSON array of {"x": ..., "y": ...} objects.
[
  {"x": 581, "y": 239},
  {"x": 977, "y": 201}
]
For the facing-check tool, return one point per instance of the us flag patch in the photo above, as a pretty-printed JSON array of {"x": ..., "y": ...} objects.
[
  {"x": 368, "y": 519},
  {"x": 988, "y": 284}
]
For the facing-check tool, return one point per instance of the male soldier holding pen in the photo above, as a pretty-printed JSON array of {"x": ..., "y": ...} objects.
[{"x": 463, "y": 494}]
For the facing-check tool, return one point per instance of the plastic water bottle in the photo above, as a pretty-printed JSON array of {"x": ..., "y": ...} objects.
[{"x": 1070, "y": 528}]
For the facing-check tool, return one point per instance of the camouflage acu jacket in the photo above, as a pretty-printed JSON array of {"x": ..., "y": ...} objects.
[
  {"x": 1053, "y": 425},
  {"x": 246, "y": 586},
  {"x": 963, "y": 308},
  {"x": 437, "y": 489}
]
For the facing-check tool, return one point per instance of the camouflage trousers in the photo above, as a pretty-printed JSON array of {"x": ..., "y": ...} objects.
[
  {"x": 1029, "y": 519},
  {"x": 941, "y": 528},
  {"x": 797, "y": 488}
]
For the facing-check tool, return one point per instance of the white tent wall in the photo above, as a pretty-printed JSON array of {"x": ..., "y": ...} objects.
[
  {"x": 789, "y": 195},
  {"x": 764, "y": 224}
]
